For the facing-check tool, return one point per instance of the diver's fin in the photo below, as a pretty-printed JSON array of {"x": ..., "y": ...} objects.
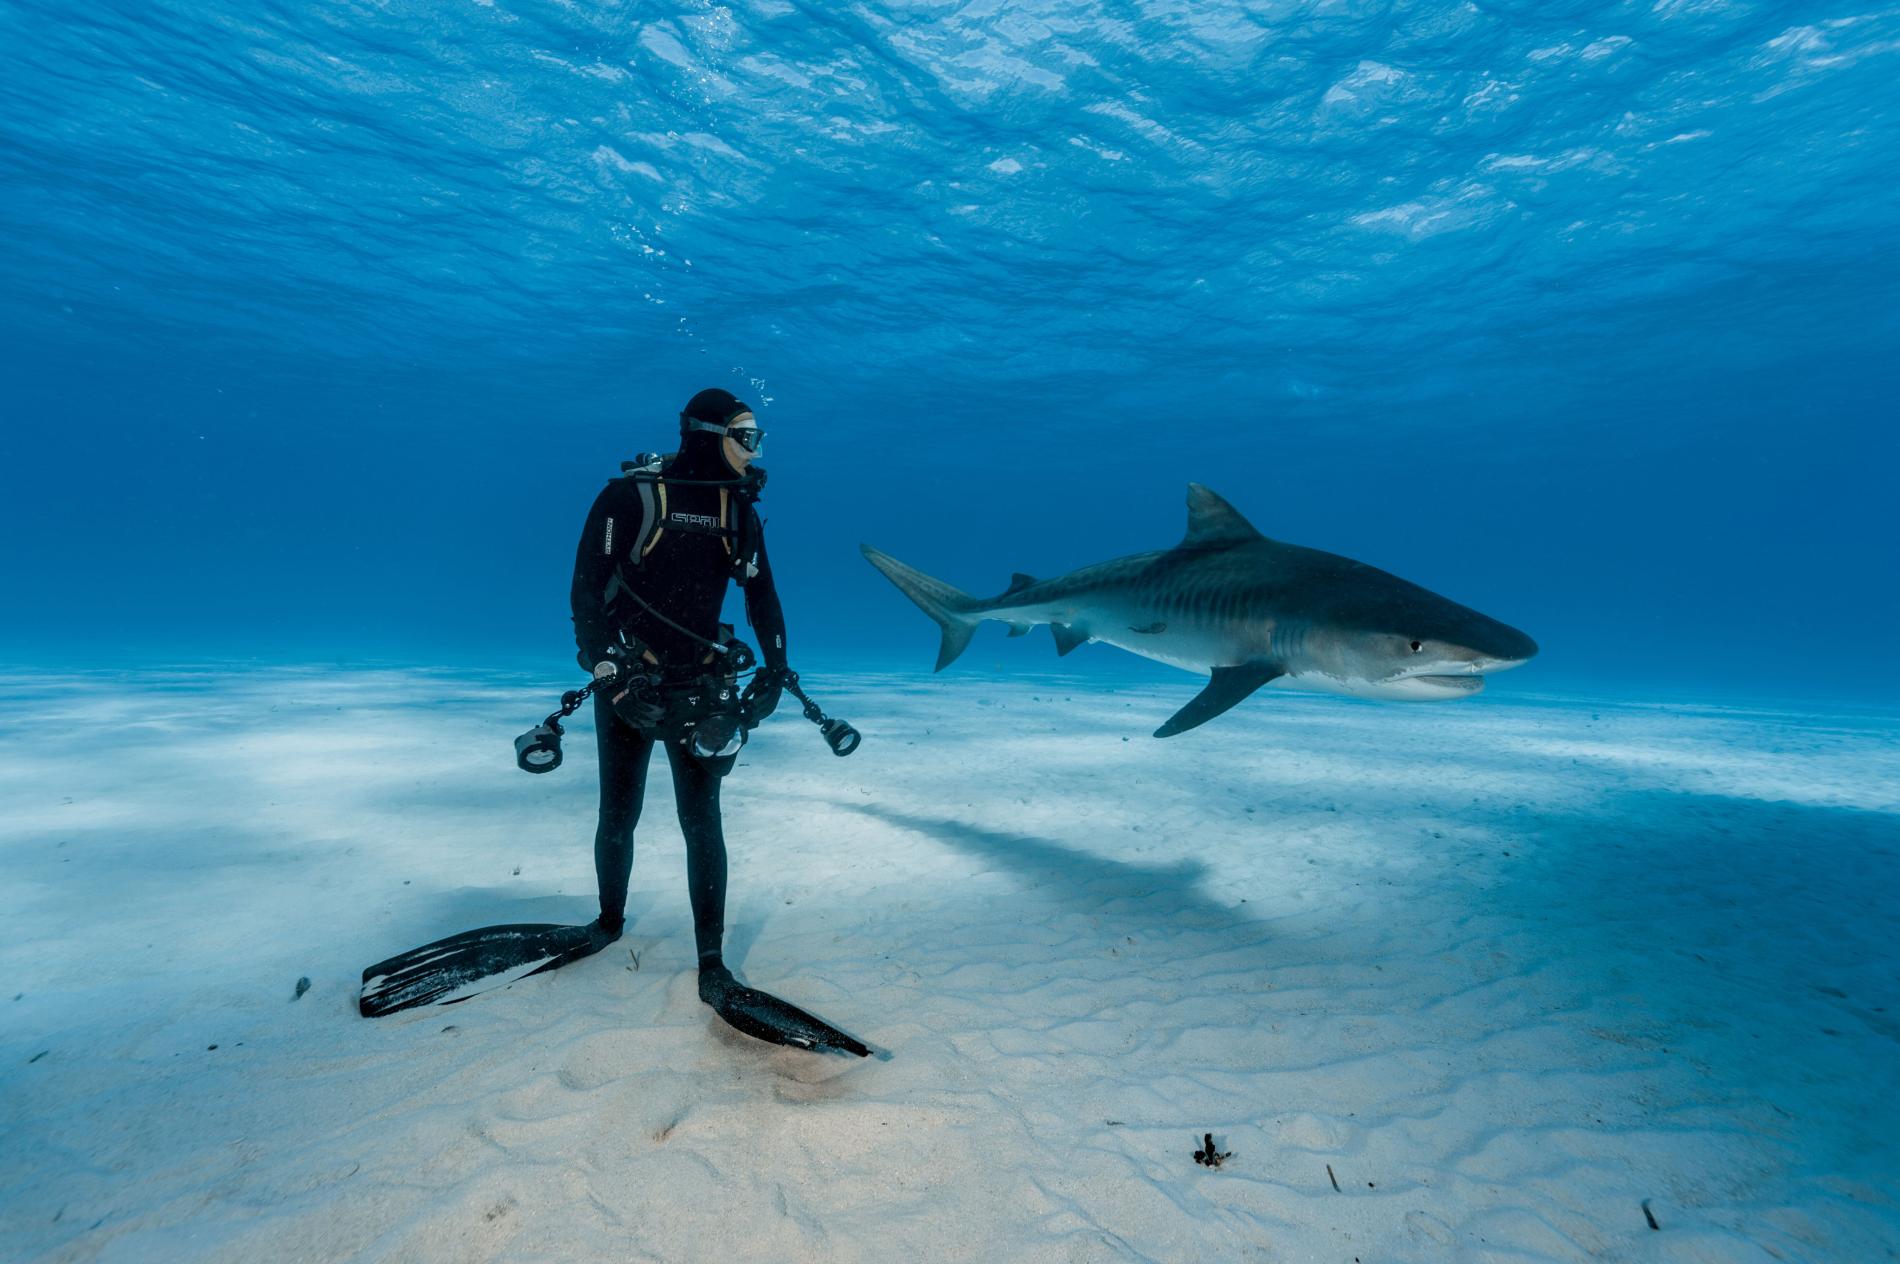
[
  {"x": 764, "y": 1017},
  {"x": 952, "y": 608},
  {"x": 1067, "y": 638},
  {"x": 1212, "y": 522},
  {"x": 473, "y": 962},
  {"x": 1229, "y": 686}
]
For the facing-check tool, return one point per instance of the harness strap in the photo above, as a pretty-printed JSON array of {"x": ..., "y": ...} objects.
[
  {"x": 738, "y": 529},
  {"x": 652, "y": 513}
]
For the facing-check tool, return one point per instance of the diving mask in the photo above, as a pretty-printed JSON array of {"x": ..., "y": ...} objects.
[{"x": 751, "y": 438}]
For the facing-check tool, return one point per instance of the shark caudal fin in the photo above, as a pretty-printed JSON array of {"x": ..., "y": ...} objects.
[{"x": 952, "y": 608}]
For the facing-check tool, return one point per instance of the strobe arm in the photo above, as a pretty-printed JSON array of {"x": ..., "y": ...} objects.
[
  {"x": 539, "y": 749},
  {"x": 841, "y": 737}
]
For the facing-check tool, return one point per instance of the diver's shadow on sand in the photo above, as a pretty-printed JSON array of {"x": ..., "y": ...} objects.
[{"x": 1168, "y": 893}]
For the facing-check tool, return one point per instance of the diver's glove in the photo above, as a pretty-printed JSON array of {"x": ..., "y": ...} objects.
[
  {"x": 639, "y": 704},
  {"x": 763, "y": 694}
]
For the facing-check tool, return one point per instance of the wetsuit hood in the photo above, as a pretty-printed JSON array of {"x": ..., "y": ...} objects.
[{"x": 702, "y": 453}]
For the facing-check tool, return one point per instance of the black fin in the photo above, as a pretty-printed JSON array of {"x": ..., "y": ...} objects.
[
  {"x": 475, "y": 961},
  {"x": 1212, "y": 522},
  {"x": 764, "y": 1017},
  {"x": 1020, "y": 581},
  {"x": 1229, "y": 686},
  {"x": 1067, "y": 638}
]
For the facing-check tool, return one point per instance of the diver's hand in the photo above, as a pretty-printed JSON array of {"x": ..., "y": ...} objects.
[
  {"x": 639, "y": 705},
  {"x": 763, "y": 696}
]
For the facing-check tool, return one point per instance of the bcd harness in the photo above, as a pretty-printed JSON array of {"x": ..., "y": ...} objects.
[{"x": 736, "y": 526}]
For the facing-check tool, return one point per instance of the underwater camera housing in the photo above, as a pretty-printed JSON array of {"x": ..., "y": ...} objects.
[
  {"x": 718, "y": 735},
  {"x": 713, "y": 720},
  {"x": 711, "y": 717}
]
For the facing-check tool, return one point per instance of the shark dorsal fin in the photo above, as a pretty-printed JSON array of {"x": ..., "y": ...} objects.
[
  {"x": 1212, "y": 522},
  {"x": 1020, "y": 581}
]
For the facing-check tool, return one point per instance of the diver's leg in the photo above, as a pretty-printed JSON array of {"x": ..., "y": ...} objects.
[
  {"x": 696, "y": 794},
  {"x": 757, "y": 1014},
  {"x": 624, "y": 753}
]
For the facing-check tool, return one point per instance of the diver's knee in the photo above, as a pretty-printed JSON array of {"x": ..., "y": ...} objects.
[
  {"x": 617, "y": 820},
  {"x": 614, "y": 836}
]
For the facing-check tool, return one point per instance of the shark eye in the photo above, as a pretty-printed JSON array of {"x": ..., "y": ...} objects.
[{"x": 1417, "y": 646}]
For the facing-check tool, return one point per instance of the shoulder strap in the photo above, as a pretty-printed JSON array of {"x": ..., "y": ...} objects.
[
  {"x": 738, "y": 527},
  {"x": 652, "y": 514},
  {"x": 649, "y": 486}
]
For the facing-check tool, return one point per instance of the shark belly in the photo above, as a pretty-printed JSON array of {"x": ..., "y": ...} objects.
[
  {"x": 1194, "y": 649},
  {"x": 1159, "y": 630},
  {"x": 1149, "y": 628}
]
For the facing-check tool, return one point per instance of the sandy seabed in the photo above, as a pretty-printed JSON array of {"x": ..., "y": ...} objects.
[{"x": 1501, "y": 979}]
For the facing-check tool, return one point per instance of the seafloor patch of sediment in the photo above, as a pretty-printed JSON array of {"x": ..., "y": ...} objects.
[{"x": 1518, "y": 977}]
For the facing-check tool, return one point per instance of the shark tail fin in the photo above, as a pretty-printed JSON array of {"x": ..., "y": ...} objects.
[{"x": 952, "y": 608}]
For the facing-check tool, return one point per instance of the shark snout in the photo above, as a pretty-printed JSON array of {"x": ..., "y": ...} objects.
[
  {"x": 1514, "y": 650},
  {"x": 1504, "y": 649}
]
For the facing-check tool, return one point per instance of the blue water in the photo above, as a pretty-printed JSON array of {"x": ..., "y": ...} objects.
[{"x": 323, "y": 323}]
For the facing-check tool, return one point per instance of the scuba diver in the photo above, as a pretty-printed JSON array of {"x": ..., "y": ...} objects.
[
  {"x": 650, "y": 577},
  {"x": 657, "y": 550}
]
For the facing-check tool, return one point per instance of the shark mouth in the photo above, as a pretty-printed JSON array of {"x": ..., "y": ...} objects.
[
  {"x": 1461, "y": 681},
  {"x": 1471, "y": 683}
]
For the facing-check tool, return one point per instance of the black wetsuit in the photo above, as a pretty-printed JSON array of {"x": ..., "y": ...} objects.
[
  {"x": 655, "y": 610},
  {"x": 683, "y": 577}
]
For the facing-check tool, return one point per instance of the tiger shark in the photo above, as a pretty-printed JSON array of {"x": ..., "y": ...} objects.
[{"x": 1246, "y": 611}]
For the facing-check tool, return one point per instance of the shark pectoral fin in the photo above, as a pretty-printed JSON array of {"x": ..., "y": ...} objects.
[
  {"x": 1067, "y": 638},
  {"x": 1229, "y": 686}
]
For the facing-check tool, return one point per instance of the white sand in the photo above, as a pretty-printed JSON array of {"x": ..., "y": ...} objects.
[{"x": 1510, "y": 966}]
